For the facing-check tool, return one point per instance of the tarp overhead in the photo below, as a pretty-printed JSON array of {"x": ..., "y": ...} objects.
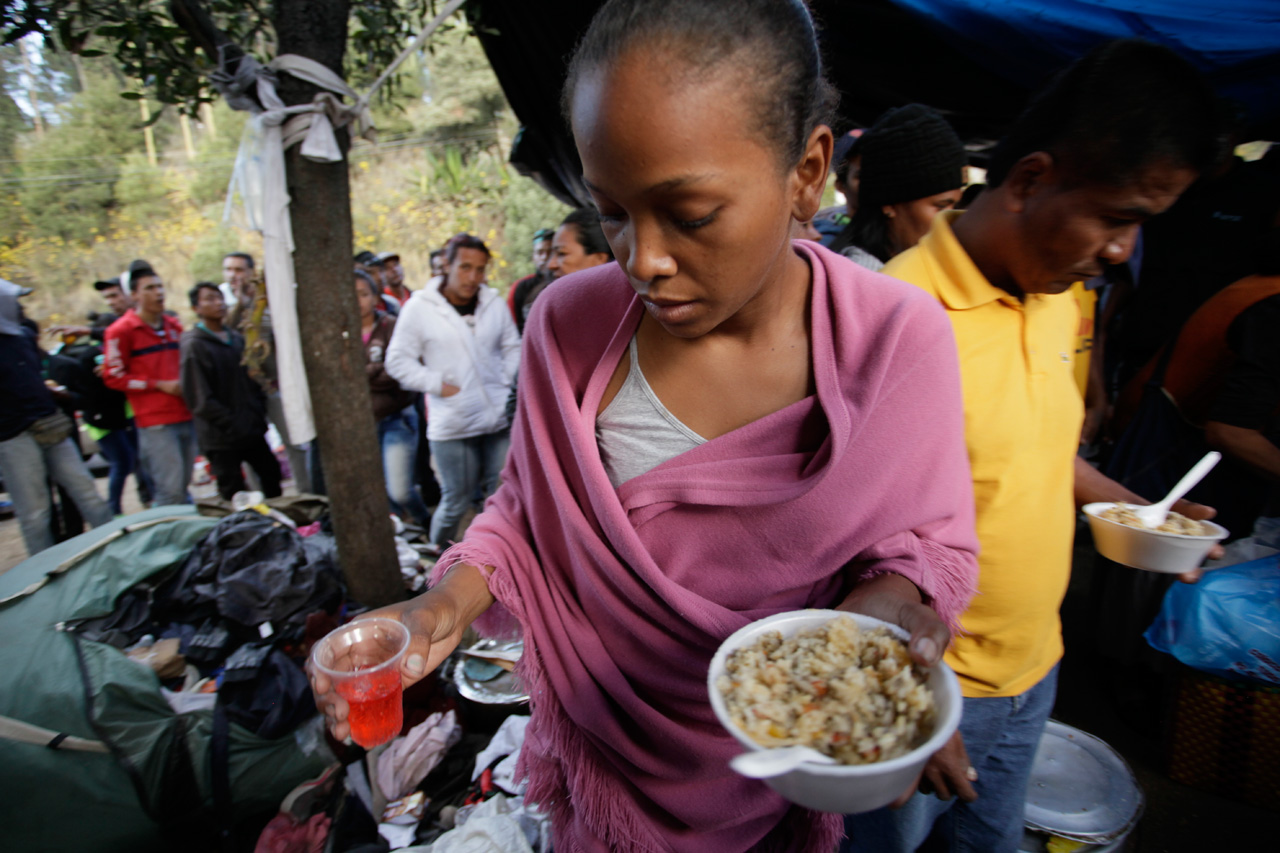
[{"x": 977, "y": 60}]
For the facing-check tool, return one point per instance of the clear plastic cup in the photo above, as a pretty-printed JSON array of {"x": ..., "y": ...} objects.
[{"x": 362, "y": 660}]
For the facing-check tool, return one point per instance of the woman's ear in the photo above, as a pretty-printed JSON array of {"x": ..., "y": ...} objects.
[{"x": 810, "y": 175}]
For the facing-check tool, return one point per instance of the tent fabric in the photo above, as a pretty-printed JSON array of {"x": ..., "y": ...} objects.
[
  {"x": 157, "y": 775},
  {"x": 977, "y": 61}
]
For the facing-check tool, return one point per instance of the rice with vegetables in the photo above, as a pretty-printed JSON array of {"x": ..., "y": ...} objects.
[
  {"x": 846, "y": 691},
  {"x": 1123, "y": 513}
]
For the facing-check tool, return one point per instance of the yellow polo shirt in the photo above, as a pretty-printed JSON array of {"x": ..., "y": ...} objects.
[{"x": 1022, "y": 413}]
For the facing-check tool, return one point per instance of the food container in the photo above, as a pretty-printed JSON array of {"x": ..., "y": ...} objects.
[
  {"x": 484, "y": 702},
  {"x": 841, "y": 788},
  {"x": 1150, "y": 550}
]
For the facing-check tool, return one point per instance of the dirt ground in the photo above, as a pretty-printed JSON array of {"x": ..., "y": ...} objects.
[{"x": 12, "y": 551}]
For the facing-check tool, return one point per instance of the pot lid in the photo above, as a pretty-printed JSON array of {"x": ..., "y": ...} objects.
[{"x": 1080, "y": 788}]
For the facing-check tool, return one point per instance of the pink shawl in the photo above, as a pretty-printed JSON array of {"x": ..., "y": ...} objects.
[{"x": 624, "y": 595}]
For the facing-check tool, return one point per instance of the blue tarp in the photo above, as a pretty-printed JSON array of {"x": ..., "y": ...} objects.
[{"x": 1236, "y": 43}]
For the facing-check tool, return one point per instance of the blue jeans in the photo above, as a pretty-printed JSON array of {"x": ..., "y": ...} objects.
[
  {"x": 398, "y": 438},
  {"x": 169, "y": 452},
  {"x": 120, "y": 448},
  {"x": 1001, "y": 736},
  {"x": 28, "y": 466},
  {"x": 465, "y": 465}
]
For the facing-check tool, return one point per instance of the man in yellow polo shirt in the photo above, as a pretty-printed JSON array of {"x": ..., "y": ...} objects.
[{"x": 1112, "y": 142}]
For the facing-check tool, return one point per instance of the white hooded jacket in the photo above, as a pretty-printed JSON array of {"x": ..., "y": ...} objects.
[{"x": 434, "y": 344}]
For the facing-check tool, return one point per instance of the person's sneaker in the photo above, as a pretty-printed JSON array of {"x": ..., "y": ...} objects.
[{"x": 6, "y": 509}]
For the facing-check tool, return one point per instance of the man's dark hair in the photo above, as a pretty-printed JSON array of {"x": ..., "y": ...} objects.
[
  {"x": 587, "y": 222},
  {"x": 775, "y": 39},
  {"x": 194, "y": 293},
  {"x": 135, "y": 275},
  {"x": 248, "y": 258},
  {"x": 463, "y": 241},
  {"x": 1125, "y": 105}
]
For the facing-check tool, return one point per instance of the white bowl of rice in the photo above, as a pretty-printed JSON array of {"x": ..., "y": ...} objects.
[
  {"x": 831, "y": 681},
  {"x": 1178, "y": 546}
]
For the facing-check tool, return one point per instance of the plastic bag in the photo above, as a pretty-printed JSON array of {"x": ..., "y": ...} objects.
[{"x": 1228, "y": 624}]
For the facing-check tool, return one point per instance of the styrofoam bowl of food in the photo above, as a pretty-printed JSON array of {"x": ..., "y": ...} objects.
[
  {"x": 1179, "y": 545},
  {"x": 840, "y": 683}
]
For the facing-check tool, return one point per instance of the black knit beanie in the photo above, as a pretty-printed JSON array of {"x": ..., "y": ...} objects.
[{"x": 910, "y": 153}]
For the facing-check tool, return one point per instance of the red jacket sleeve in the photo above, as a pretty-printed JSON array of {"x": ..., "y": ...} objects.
[{"x": 118, "y": 353}]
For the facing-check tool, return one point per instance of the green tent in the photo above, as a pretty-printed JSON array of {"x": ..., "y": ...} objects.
[{"x": 126, "y": 773}]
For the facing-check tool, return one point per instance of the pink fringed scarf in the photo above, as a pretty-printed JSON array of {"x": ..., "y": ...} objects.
[{"x": 624, "y": 595}]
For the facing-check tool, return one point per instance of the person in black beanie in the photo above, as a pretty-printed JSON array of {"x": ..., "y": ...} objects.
[{"x": 912, "y": 167}]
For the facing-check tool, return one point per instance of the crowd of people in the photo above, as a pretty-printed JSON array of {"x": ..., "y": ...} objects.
[
  {"x": 732, "y": 403},
  {"x": 155, "y": 396}
]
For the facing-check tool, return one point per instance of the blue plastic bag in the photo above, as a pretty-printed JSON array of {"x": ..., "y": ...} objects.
[{"x": 1228, "y": 624}]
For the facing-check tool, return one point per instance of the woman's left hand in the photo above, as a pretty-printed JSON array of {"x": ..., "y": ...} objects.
[{"x": 895, "y": 599}]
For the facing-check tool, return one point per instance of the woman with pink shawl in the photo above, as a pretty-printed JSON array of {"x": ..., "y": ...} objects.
[{"x": 822, "y": 464}]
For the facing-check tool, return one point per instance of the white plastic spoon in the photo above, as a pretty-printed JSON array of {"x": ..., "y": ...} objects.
[
  {"x": 511, "y": 656},
  {"x": 1154, "y": 515},
  {"x": 766, "y": 763}
]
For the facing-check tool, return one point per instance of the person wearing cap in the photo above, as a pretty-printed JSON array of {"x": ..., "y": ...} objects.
[
  {"x": 913, "y": 166},
  {"x": 518, "y": 295},
  {"x": 117, "y": 301},
  {"x": 371, "y": 264},
  {"x": 37, "y": 440},
  {"x": 77, "y": 366},
  {"x": 393, "y": 277},
  {"x": 1112, "y": 142},
  {"x": 142, "y": 360}
]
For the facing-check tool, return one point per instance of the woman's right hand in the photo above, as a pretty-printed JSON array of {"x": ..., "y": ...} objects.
[{"x": 434, "y": 632}]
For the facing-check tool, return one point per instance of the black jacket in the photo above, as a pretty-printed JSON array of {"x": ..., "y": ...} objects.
[
  {"x": 228, "y": 407},
  {"x": 73, "y": 368}
]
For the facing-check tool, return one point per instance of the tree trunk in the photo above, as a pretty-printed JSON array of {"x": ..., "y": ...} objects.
[{"x": 329, "y": 320}]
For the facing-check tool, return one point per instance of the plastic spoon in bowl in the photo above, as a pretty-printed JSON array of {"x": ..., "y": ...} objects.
[
  {"x": 766, "y": 763},
  {"x": 1154, "y": 515}
]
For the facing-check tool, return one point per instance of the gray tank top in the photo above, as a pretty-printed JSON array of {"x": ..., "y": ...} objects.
[{"x": 635, "y": 432}]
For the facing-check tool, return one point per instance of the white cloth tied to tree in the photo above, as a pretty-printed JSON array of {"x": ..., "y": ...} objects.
[{"x": 259, "y": 180}]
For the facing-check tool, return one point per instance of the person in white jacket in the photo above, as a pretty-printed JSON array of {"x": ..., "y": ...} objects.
[{"x": 455, "y": 341}]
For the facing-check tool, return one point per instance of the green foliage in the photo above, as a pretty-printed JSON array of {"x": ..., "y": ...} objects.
[
  {"x": 68, "y": 175},
  {"x": 89, "y": 201},
  {"x": 174, "y": 54},
  {"x": 216, "y": 156},
  {"x": 527, "y": 207}
]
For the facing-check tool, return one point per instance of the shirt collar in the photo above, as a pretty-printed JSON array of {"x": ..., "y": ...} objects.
[{"x": 960, "y": 285}]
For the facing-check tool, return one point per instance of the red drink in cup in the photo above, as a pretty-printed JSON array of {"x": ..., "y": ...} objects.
[{"x": 362, "y": 659}]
